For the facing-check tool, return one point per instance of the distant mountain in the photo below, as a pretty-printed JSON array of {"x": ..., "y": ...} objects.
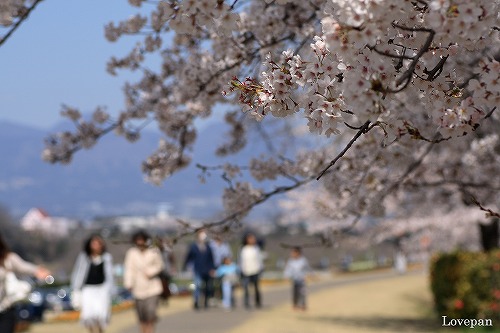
[{"x": 105, "y": 180}]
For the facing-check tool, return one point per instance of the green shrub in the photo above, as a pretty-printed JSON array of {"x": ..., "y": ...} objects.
[{"x": 467, "y": 285}]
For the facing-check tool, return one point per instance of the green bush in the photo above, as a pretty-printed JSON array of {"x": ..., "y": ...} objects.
[
  {"x": 467, "y": 285},
  {"x": 362, "y": 265}
]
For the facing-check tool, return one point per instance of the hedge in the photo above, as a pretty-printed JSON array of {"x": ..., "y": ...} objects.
[{"x": 467, "y": 285}]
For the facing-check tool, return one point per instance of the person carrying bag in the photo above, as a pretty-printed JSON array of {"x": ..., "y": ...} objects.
[
  {"x": 13, "y": 290},
  {"x": 16, "y": 290}
]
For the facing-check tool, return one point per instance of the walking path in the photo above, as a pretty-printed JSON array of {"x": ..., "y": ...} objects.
[{"x": 374, "y": 302}]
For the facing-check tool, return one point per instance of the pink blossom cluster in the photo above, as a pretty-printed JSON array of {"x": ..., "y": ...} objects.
[{"x": 375, "y": 59}]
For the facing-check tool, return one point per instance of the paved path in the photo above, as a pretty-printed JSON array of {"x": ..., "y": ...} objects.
[
  {"x": 179, "y": 317},
  {"x": 215, "y": 320}
]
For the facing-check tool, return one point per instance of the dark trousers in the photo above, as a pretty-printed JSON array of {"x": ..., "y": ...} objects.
[
  {"x": 251, "y": 279},
  {"x": 202, "y": 283},
  {"x": 8, "y": 320},
  {"x": 299, "y": 294},
  {"x": 217, "y": 288}
]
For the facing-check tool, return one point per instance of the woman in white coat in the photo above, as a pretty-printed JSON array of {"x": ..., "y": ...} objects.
[
  {"x": 11, "y": 262},
  {"x": 92, "y": 280},
  {"x": 251, "y": 267}
]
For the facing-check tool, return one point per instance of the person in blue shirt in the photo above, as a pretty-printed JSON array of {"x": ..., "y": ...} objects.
[
  {"x": 201, "y": 258},
  {"x": 228, "y": 272},
  {"x": 296, "y": 269},
  {"x": 220, "y": 250}
]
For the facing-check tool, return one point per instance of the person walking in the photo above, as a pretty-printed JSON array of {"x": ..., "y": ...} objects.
[
  {"x": 227, "y": 272},
  {"x": 11, "y": 262},
  {"x": 169, "y": 269},
  {"x": 296, "y": 269},
  {"x": 201, "y": 259},
  {"x": 143, "y": 265},
  {"x": 251, "y": 267},
  {"x": 220, "y": 250},
  {"x": 92, "y": 280}
]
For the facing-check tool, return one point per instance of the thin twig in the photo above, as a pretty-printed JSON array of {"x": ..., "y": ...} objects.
[
  {"x": 362, "y": 130},
  {"x": 489, "y": 212},
  {"x": 234, "y": 4},
  {"x": 436, "y": 71},
  {"x": 407, "y": 75},
  {"x": 388, "y": 54},
  {"x": 490, "y": 113},
  {"x": 235, "y": 216},
  {"x": 412, "y": 167},
  {"x": 459, "y": 183}
]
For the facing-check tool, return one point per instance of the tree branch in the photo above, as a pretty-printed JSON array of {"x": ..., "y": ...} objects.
[
  {"x": 456, "y": 182},
  {"x": 436, "y": 71},
  {"x": 21, "y": 19},
  {"x": 412, "y": 167},
  {"x": 489, "y": 212},
  {"x": 407, "y": 75},
  {"x": 235, "y": 216},
  {"x": 363, "y": 130},
  {"x": 490, "y": 113},
  {"x": 388, "y": 54}
]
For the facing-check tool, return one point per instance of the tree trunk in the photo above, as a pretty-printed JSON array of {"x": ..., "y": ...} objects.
[{"x": 489, "y": 235}]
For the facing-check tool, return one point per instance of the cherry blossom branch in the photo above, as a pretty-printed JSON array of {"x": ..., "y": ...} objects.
[
  {"x": 362, "y": 130},
  {"x": 407, "y": 75},
  {"x": 409, "y": 170},
  {"x": 388, "y": 54},
  {"x": 234, "y": 4},
  {"x": 203, "y": 85},
  {"x": 436, "y": 71},
  {"x": 266, "y": 137},
  {"x": 77, "y": 140},
  {"x": 415, "y": 134},
  {"x": 20, "y": 20},
  {"x": 459, "y": 183},
  {"x": 489, "y": 212},
  {"x": 205, "y": 170},
  {"x": 76, "y": 144},
  {"x": 489, "y": 114},
  {"x": 235, "y": 216}
]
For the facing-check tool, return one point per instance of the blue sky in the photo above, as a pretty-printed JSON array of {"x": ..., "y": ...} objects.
[{"x": 58, "y": 56}]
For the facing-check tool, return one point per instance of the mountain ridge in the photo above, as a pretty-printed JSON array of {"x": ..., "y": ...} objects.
[{"x": 105, "y": 180}]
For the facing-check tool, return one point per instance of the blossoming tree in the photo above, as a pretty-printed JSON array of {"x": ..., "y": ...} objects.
[{"x": 405, "y": 92}]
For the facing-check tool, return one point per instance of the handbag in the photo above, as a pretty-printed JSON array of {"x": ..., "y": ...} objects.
[
  {"x": 16, "y": 290},
  {"x": 165, "y": 283},
  {"x": 231, "y": 278}
]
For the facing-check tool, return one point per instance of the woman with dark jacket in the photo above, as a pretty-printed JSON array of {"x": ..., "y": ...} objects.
[
  {"x": 92, "y": 278},
  {"x": 201, "y": 259}
]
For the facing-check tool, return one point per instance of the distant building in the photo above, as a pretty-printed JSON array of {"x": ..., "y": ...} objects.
[
  {"x": 127, "y": 224},
  {"x": 163, "y": 212},
  {"x": 38, "y": 220}
]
